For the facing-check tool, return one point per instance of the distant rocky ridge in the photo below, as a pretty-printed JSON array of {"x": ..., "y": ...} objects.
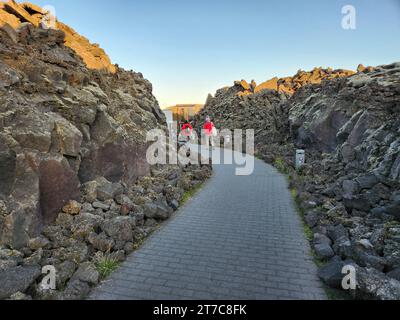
[
  {"x": 349, "y": 188},
  {"x": 17, "y": 15},
  {"x": 292, "y": 84}
]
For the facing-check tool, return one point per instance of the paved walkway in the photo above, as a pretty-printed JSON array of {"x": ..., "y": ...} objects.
[{"x": 239, "y": 238}]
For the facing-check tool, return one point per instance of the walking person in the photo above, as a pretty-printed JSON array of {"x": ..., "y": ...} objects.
[
  {"x": 185, "y": 132},
  {"x": 187, "y": 129},
  {"x": 209, "y": 131}
]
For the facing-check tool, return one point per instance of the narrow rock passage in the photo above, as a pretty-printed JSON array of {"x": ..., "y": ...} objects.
[{"x": 240, "y": 237}]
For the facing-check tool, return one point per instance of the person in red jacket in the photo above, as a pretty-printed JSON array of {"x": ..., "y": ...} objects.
[
  {"x": 209, "y": 131},
  {"x": 187, "y": 129},
  {"x": 185, "y": 133}
]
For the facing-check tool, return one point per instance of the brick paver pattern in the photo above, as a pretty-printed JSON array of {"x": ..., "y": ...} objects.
[{"x": 239, "y": 238}]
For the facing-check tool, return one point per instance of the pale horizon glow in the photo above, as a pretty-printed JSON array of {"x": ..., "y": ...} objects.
[{"x": 189, "y": 49}]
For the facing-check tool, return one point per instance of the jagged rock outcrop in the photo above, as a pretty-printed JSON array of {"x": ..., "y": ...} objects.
[
  {"x": 14, "y": 16},
  {"x": 290, "y": 85},
  {"x": 63, "y": 121},
  {"x": 346, "y": 109},
  {"x": 349, "y": 188},
  {"x": 231, "y": 109}
]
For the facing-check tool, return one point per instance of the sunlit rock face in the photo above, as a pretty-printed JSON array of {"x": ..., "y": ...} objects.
[
  {"x": 67, "y": 116},
  {"x": 15, "y": 15}
]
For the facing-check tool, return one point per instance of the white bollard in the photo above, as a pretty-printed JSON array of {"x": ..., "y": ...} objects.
[{"x": 300, "y": 158}]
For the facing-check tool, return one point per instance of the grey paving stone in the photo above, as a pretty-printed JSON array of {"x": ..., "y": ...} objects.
[{"x": 239, "y": 238}]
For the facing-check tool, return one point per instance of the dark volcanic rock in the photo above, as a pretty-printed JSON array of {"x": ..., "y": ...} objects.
[
  {"x": 76, "y": 290},
  {"x": 331, "y": 274},
  {"x": 17, "y": 279},
  {"x": 57, "y": 184}
]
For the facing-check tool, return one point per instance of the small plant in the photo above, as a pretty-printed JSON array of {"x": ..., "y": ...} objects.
[
  {"x": 105, "y": 266},
  {"x": 281, "y": 166},
  {"x": 294, "y": 194},
  {"x": 308, "y": 232},
  {"x": 189, "y": 194}
]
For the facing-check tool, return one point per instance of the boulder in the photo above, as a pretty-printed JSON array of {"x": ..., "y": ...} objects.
[
  {"x": 84, "y": 224},
  {"x": 76, "y": 290},
  {"x": 64, "y": 220},
  {"x": 350, "y": 188},
  {"x": 17, "y": 279},
  {"x": 358, "y": 202},
  {"x": 331, "y": 273},
  {"x": 66, "y": 139},
  {"x": 337, "y": 232},
  {"x": 344, "y": 247},
  {"x": 109, "y": 191},
  {"x": 312, "y": 218},
  {"x": 65, "y": 271},
  {"x": 367, "y": 181},
  {"x": 101, "y": 242},
  {"x": 72, "y": 207},
  {"x": 157, "y": 210},
  {"x": 119, "y": 229},
  {"x": 89, "y": 189},
  {"x": 395, "y": 274},
  {"x": 100, "y": 205},
  {"x": 122, "y": 199},
  {"x": 372, "y": 283},
  {"x": 320, "y": 238},
  {"x": 76, "y": 251},
  {"x": 87, "y": 273},
  {"x": 324, "y": 251},
  {"x": 38, "y": 243}
]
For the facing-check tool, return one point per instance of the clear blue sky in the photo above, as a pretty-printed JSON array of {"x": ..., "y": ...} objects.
[{"x": 189, "y": 48}]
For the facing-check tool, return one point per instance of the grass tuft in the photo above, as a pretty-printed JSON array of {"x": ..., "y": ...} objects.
[
  {"x": 105, "y": 266},
  {"x": 281, "y": 166},
  {"x": 308, "y": 232}
]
